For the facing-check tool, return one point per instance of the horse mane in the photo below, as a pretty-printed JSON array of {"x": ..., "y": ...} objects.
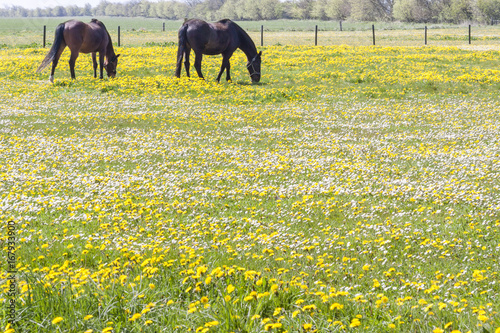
[
  {"x": 249, "y": 45},
  {"x": 110, "y": 44}
]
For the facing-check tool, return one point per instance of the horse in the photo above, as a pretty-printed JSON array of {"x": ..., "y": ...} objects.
[
  {"x": 86, "y": 38},
  {"x": 222, "y": 37}
]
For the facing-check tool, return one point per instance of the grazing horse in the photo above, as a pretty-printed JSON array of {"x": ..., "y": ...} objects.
[
  {"x": 222, "y": 37},
  {"x": 86, "y": 38}
]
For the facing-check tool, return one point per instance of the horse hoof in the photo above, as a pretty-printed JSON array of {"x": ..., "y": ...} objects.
[{"x": 51, "y": 79}]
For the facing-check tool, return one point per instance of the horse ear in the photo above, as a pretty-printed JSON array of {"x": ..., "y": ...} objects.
[
  {"x": 117, "y": 56},
  {"x": 260, "y": 53}
]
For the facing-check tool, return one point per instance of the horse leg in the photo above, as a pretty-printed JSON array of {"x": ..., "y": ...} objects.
[
  {"x": 183, "y": 50},
  {"x": 197, "y": 63},
  {"x": 55, "y": 61},
  {"x": 186, "y": 62},
  {"x": 94, "y": 62},
  {"x": 228, "y": 74},
  {"x": 178, "y": 68},
  {"x": 72, "y": 61},
  {"x": 101, "y": 64},
  {"x": 222, "y": 67}
]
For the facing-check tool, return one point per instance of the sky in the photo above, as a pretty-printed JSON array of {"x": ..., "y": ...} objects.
[{"x": 32, "y": 4}]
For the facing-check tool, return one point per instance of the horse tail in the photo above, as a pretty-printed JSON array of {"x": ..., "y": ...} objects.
[
  {"x": 181, "y": 49},
  {"x": 55, "y": 47}
]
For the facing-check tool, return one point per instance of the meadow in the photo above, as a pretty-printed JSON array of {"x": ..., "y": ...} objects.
[
  {"x": 28, "y": 32},
  {"x": 356, "y": 188}
]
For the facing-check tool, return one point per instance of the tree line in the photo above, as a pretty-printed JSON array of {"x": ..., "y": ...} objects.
[{"x": 416, "y": 11}]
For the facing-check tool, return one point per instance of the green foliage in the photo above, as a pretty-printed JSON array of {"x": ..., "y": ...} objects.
[
  {"x": 490, "y": 9},
  {"x": 413, "y": 11},
  {"x": 456, "y": 11}
]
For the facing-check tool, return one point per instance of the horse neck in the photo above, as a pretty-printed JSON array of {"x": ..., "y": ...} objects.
[
  {"x": 110, "y": 51},
  {"x": 246, "y": 44}
]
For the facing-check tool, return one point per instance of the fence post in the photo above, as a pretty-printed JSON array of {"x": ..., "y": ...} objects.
[
  {"x": 425, "y": 35},
  {"x": 163, "y": 26},
  {"x": 469, "y": 35},
  {"x": 118, "y": 35},
  {"x": 261, "y": 35},
  {"x": 340, "y": 25},
  {"x": 373, "y": 33},
  {"x": 316, "y": 36},
  {"x": 44, "y": 35}
]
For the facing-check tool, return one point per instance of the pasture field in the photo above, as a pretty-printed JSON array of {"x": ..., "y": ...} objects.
[
  {"x": 354, "y": 189},
  {"x": 28, "y": 32}
]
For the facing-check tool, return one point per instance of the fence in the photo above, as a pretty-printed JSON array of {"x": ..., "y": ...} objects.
[
  {"x": 373, "y": 35},
  {"x": 315, "y": 35}
]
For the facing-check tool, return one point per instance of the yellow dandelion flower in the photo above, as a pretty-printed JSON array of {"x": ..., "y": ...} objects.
[
  {"x": 336, "y": 306},
  {"x": 354, "y": 323},
  {"x": 307, "y": 327},
  {"x": 230, "y": 289},
  {"x": 135, "y": 317}
]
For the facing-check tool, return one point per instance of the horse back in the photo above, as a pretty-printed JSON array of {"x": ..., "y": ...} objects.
[
  {"x": 210, "y": 38},
  {"x": 86, "y": 37}
]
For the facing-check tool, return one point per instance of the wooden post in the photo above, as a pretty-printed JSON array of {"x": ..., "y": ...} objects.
[
  {"x": 163, "y": 26},
  {"x": 44, "y": 35},
  {"x": 118, "y": 35},
  {"x": 469, "y": 35},
  {"x": 425, "y": 29},
  {"x": 316, "y": 36},
  {"x": 373, "y": 33},
  {"x": 261, "y": 35},
  {"x": 340, "y": 25}
]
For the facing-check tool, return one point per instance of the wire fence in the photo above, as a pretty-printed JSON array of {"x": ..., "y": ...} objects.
[{"x": 317, "y": 34}]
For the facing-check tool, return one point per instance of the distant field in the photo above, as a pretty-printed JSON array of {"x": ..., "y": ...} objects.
[{"x": 140, "y": 31}]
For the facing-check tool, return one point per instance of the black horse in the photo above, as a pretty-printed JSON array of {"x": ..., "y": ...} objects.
[{"x": 222, "y": 37}]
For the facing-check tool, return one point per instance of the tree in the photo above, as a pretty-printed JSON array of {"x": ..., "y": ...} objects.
[
  {"x": 371, "y": 10},
  {"x": 413, "y": 11},
  {"x": 100, "y": 9},
  {"x": 181, "y": 10},
  {"x": 489, "y": 9},
  {"x": 319, "y": 8},
  {"x": 229, "y": 10},
  {"x": 338, "y": 9},
  {"x": 112, "y": 9},
  {"x": 301, "y": 9},
  {"x": 271, "y": 9},
  {"x": 363, "y": 10},
  {"x": 59, "y": 11},
  {"x": 87, "y": 10},
  {"x": 455, "y": 11},
  {"x": 167, "y": 9},
  {"x": 461, "y": 11},
  {"x": 251, "y": 10}
]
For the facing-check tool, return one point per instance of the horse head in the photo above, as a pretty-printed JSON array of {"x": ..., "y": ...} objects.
[
  {"x": 111, "y": 64},
  {"x": 253, "y": 67}
]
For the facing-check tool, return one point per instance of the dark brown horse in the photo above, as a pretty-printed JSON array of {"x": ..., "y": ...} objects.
[
  {"x": 222, "y": 37},
  {"x": 86, "y": 38}
]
